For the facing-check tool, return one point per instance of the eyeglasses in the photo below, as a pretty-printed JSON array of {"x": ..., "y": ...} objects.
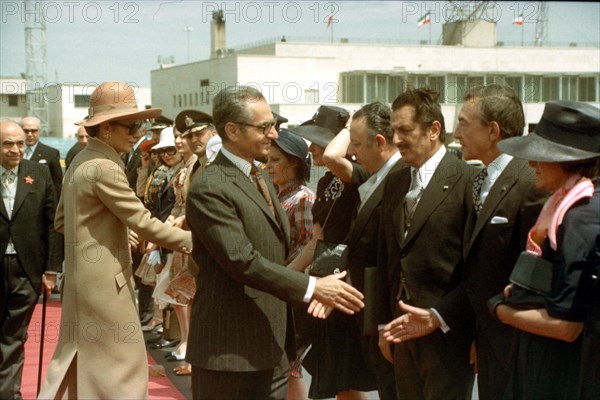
[
  {"x": 266, "y": 127},
  {"x": 171, "y": 151},
  {"x": 133, "y": 128},
  {"x": 30, "y": 130}
]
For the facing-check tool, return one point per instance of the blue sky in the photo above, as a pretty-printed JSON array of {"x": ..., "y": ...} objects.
[{"x": 96, "y": 41}]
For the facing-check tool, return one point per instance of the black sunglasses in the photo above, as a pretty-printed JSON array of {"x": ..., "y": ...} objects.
[
  {"x": 171, "y": 151},
  {"x": 133, "y": 128}
]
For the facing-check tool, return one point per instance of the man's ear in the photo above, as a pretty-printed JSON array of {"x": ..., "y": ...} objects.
[
  {"x": 435, "y": 131},
  {"x": 232, "y": 131},
  {"x": 495, "y": 132}
]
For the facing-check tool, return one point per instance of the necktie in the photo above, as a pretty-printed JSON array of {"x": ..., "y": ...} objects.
[
  {"x": 477, "y": 184},
  {"x": 8, "y": 178},
  {"x": 412, "y": 198},
  {"x": 28, "y": 153},
  {"x": 261, "y": 185}
]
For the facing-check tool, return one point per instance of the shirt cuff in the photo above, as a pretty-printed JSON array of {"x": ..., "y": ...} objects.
[
  {"x": 380, "y": 327},
  {"x": 312, "y": 282},
  {"x": 444, "y": 327},
  {"x": 50, "y": 272}
]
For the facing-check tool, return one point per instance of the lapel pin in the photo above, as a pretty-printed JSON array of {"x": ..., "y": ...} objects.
[
  {"x": 503, "y": 189},
  {"x": 445, "y": 187},
  {"x": 28, "y": 180}
]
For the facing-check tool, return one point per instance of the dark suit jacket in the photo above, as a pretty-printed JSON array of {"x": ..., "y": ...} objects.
[
  {"x": 31, "y": 225},
  {"x": 491, "y": 250},
  {"x": 239, "y": 315},
  {"x": 363, "y": 237},
  {"x": 432, "y": 249},
  {"x": 424, "y": 266},
  {"x": 51, "y": 157},
  {"x": 135, "y": 161}
]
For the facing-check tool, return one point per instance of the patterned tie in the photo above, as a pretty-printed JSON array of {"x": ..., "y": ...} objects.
[
  {"x": 261, "y": 185},
  {"x": 8, "y": 178},
  {"x": 412, "y": 198},
  {"x": 477, "y": 184}
]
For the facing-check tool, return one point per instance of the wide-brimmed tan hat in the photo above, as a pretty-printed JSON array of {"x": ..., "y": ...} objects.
[{"x": 115, "y": 100}]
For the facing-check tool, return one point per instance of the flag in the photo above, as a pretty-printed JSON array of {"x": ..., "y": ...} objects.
[
  {"x": 519, "y": 20},
  {"x": 329, "y": 21},
  {"x": 424, "y": 20}
]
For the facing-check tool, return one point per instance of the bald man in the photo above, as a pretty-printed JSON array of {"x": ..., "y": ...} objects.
[
  {"x": 82, "y": 140},
  {"x": 37, "y": 151},
  {"x": 29, "y": 250}
]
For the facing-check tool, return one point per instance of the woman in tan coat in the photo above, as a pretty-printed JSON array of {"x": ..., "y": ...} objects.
[{"x": 101, "y": 352}]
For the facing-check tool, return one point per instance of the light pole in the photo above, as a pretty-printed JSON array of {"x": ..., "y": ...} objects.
[{"x": 187, "y": 29}]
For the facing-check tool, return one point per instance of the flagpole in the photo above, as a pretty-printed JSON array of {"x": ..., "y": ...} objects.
[
  {"x": 522, "y": 29},
  {"x": 331, "y": 31},
  {"x": 429, "y": 32}
]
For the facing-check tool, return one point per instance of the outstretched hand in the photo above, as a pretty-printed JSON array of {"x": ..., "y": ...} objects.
[
  {"x": 417, "y": 322},
  {"x": 333, "y": 292}
]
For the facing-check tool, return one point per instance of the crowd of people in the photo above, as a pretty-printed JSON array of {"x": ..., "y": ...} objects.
[{"x": 202, "y": 232}]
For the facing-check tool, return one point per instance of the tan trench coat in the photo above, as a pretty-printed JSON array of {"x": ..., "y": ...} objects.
[{"x": 101, "y": 352}]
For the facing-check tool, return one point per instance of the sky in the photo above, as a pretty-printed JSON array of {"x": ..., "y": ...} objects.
[{"x": 97, "y": 41}]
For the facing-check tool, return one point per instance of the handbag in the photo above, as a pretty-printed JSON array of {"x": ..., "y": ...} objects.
[
  {"x": 532, "y": 279},
  {"x": 146, "y": 272},
  {"x": 329, "y": 257}
]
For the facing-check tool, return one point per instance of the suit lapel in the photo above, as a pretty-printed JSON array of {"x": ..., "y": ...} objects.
[
  {"x": 249, "y": 188},
  {"x": 501, "y": 187},
  {"x": 364, "y": 214},
  {"x": 398, "y": 215},
  {"x": 440, "y": 185},
  {"x": 23, "y": 187}
]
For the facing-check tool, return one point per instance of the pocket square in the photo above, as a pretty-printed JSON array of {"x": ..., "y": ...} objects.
[
  {"x": 499, "y": 220},
  {"x": 43, "y": 161}
]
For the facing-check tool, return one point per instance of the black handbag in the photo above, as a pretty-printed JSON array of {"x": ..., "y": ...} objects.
[
  {"x": 329, "y": 257},
  {"x": 532, "y": 279}
]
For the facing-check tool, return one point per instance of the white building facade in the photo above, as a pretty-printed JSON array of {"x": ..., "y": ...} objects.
[{"x": 296, "y": 76}]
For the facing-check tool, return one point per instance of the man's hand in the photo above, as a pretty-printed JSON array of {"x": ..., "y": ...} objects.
[
  {"x": 319, "y": 310},
  {"x": 48, "y": 283},
  {"x": 332, "y": 291},
  {"x": 176, "y": 222},
  {"x": 417, "y": 322},
  {"x": 385, "y": 347}
]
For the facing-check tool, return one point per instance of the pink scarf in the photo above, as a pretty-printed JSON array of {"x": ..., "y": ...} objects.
[{"x": 551, "y": 216}]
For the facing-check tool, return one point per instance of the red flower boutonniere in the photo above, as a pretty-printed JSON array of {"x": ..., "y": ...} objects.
[{"x": 28, "y": 180}]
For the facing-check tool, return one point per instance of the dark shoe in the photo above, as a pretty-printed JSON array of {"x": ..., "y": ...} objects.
[
  {"x": 145, "y": 318},
  {"x": 153, "y": 338},
  {"x": 162, "y": 343},
  {"x": 175, "y": 357}
]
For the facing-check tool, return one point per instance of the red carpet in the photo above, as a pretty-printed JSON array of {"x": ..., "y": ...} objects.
[{"x": 158, "y": 388}]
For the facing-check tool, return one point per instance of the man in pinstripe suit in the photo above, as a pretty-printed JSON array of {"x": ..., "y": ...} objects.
[{"x": 239, "y": 329}]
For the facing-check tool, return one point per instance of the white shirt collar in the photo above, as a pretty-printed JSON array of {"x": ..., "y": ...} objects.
[
  {"x": 242, "y": 164},
  {"x": 15, "y": 170},
  {"x": 428, "y": 169}
]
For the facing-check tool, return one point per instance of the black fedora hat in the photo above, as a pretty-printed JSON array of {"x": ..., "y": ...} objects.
[
  {"x": 279, "y": 119},
  {"x": 189, "y": 121},
  {"x": 568, "y": 131},
  {"x": 324, "y": 125}
]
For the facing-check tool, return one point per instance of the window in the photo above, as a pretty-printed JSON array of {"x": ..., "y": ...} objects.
[
  {"x": 587, "y": 89},
  {"x": 13, "y": 100},
  {"x": 438, "y": 83},
  {"x": 82, "y": 100},
  {"x": 569, "y": 88},
  {"x": 532, "y": 89},
  {"x": 550, "y": 88},
  {"x": 516, "y": 83}
]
